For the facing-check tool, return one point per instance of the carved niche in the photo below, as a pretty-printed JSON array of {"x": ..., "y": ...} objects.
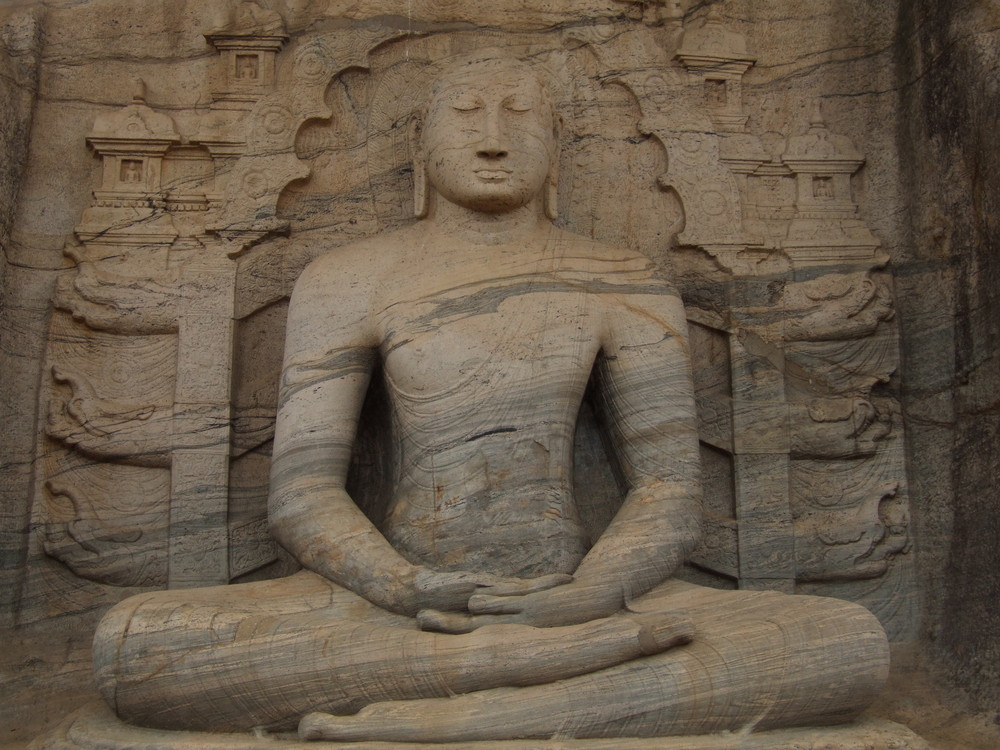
[{"x": 166, "y": 347}]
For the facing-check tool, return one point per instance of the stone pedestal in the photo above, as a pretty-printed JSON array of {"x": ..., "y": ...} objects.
[{"x": 96, "y": 728}]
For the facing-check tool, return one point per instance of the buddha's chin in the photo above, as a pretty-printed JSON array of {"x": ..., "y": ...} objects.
[{"x": 491, "y": 197}]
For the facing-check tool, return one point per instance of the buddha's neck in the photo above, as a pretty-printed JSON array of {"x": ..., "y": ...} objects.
[{"x": 481, "y": 228}]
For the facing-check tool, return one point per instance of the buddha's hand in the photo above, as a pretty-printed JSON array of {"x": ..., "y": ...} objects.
[
  {"x": 566, "y": 604},
  {"x": 452, "y": 591}
]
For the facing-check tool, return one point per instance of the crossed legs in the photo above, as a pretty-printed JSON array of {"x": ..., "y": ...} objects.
[
  {"x": 270, "y": 653},
  {"x": 265, "y": 654},
  {"x": 758, "y": 660}
]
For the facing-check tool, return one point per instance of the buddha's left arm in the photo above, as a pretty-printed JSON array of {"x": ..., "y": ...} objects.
[{"x": 646, "y": 401}]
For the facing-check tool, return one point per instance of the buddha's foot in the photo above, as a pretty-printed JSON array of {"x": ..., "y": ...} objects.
[
  {"x": 320, "y": 726},
  {"x": 396, "y": 721}
]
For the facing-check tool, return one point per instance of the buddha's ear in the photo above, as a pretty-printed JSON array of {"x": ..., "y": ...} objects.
[
  {"x": 550, "y": 197},
  {"x": 420, "y": 185}
]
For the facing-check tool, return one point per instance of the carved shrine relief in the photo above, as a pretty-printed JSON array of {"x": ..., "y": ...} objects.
[
  {"x": 153, "y": 273},
  {"x": 717, "y": 58},
  {"x": 803, "y": 451},
  {"x": 162, "y": 378},
  {"x": 248, "y": 49}
]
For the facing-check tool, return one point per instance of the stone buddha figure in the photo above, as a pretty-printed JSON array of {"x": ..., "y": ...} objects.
[{"x": 479, "y": 608}]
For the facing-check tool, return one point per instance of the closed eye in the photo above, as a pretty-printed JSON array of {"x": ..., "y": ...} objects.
[
  {"x": 466, "y": 105},
  {"x": 516, "y": 104}
]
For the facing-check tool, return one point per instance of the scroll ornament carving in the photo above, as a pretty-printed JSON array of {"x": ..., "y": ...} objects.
[
  {"x": 837, "y": 352},
  {"x": 141, "y": 435},
  {"x": 838, "y": 428},
  {"x": 100, "y": 549},
  {"x": 154, "y": 256},
  {"x": 854, "y": 534},
  {"x": 106, "y": 300},
  {"x": 834, "y": 306}
]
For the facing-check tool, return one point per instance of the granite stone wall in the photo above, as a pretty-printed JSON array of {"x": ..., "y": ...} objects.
[
  {"x": 949, "y": 94},
  {"x": 20, "y": 50}
]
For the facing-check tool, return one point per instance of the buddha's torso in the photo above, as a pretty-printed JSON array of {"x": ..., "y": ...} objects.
[{"x": 486, "y": 365}]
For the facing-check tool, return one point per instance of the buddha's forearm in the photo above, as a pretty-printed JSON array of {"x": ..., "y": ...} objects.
[
  {"x": 655, "y": 530},
  {"x": 322, "y": 527}
]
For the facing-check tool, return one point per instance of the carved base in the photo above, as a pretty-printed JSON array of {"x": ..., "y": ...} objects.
[{"x": 96, "y": 728}]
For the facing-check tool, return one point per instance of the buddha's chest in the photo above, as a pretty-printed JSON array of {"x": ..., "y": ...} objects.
[{"x": 489, "y": 337}]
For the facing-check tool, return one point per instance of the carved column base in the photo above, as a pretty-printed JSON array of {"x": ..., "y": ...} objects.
[{"x": 96, "y": 728}]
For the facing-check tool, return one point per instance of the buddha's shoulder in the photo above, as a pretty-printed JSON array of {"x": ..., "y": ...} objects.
[
  {"x": 612, "y": 263},
  {"x": 359, "y": 263}
]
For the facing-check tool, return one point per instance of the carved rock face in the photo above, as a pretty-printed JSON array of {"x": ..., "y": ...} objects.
[{"x": 488, "y": 137}]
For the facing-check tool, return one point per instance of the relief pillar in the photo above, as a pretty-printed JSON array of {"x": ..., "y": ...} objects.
[{"x": 199, "y": 543}]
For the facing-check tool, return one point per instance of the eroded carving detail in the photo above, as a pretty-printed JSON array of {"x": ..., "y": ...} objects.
[
  {"x": 108, "y": 301},
  {"x": 806, "y": 305},
  {"x": 141, "y": 435},
  {"x": 834, "y": 306},
  {"x": 848, "y": 527},
  {"x": 101, "y": 550},
  {"x": 837, "y": 428},
  {"x": 157, "y": 254}
]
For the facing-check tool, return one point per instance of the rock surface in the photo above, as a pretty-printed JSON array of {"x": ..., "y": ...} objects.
[{"x": 835, "y": 260}]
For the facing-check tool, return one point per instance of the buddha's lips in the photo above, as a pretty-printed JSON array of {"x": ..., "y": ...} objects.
[{"x": 493, "y": 175}]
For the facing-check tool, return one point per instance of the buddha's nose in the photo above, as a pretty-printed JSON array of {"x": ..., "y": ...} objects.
[
  {"x": 491, "y": 150},
  {"x": 491, "y": 146}
]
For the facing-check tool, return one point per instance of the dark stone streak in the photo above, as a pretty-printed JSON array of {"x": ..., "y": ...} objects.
[
  {"x": 310, "y": 374},
  {"x": 489, "y": 300},
  {"x": 496, "y": 431}
]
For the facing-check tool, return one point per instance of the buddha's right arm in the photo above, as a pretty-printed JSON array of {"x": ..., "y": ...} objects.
[{"x": 329, "y": 357}]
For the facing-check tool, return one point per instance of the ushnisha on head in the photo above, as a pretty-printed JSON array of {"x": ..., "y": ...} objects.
[{"x": 488, "y": 139}]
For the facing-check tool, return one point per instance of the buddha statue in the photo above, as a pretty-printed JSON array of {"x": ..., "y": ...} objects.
[{"x": 479, "y": 608}]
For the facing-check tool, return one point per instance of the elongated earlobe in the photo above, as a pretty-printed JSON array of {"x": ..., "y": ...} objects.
[
  {"x": 420, "y": 184},
  {"x": 419, "y": 187},
  {"x": 550, "y": 197}
]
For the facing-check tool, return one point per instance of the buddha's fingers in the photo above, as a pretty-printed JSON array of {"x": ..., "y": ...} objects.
[
  {"x": 522, "y": 586},
  {"x": 661, "y": 632},
  {"x": 455, "y": 623}
]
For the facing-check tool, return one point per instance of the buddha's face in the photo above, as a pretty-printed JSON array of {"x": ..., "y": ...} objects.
[{"x": 488, "y": 137}]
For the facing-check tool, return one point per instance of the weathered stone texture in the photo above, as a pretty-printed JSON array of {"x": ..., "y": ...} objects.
[
  {"x": 948, "y": 58},
  {"x": 20, "y": 49},
  {"x": 825, "y": 186}
]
